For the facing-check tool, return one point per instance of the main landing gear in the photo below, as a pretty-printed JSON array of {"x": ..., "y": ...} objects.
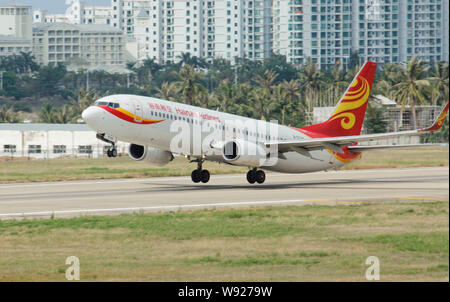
[
  {"x": 255, "y": 175},
  {"x": 200, "y": 175}
]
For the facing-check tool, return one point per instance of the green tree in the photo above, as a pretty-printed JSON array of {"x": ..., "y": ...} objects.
[
  {"x": 439, "y": 81},
  {"x": 8, "y": 115},
  {"x": 168, "y": 91},
  {"x": 311, "y": 80},
  {"x": 49, "y": 79},
  {"x": 189, "y": 83},
  {"x": 47, "y": 114},
  {"x": 411, "y": 85},
  {"x": 375, "y": 121}
]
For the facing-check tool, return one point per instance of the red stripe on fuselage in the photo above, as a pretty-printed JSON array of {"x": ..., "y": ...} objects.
[{"x": 125, "y": 117}]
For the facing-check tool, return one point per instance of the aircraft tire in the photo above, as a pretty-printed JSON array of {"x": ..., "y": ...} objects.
[
  {"x": 205, "y": 176},
  {"x": 251, "y": 177},
  {"x": 260, "y": 176},
  {"x": 196, "y": 176}
]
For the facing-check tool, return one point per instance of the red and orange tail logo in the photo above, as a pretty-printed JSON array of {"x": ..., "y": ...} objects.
[{"x": 348, "y": 116}]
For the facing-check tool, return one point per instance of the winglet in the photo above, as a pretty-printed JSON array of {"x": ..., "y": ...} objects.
[{"x": 438, "y": 122}]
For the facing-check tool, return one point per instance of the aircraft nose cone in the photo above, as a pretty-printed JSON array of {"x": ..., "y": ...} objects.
[{"x": 93, "y": 116}]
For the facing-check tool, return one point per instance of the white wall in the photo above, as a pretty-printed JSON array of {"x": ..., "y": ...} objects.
[{"x": 47, "y": 139}]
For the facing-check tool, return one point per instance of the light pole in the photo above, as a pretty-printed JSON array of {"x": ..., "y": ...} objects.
[
  {"x": 87, "y": 79},
  {"x": 1, "y": 80}
]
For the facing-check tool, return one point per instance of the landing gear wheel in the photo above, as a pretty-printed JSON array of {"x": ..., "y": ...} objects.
[
  {"x": 109, "y": 153},
  {"x": 260, "y": 176},
  {"x": 251, "y": 176},
  {"x": 196, "y": 176},
  {"x": 205, "y": 176},
  {"x": 114, "y": 152}
]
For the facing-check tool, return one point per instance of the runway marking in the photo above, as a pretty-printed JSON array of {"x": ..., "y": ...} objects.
[
  {"x": 154, "y": 207},
  {"x": 335, "y": 201},
  {"x": 205, "y": 205},
  {"x": 156, "y": 179},
  {"x": 221, "y": 204},
  {"x": 419, "y": 198}
]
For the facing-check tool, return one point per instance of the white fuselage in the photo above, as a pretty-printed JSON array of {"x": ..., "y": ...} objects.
[{"x": 157, "y": 123}]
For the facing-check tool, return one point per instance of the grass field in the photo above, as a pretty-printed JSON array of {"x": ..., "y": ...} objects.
[
  {"x": 309, "y": 243},
  {"x": 82, "y": 169}
]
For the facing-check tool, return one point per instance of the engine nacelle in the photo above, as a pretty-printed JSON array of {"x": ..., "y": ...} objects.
[
  {"x": 244, "y": 153},
  {"x": 153, "y": 156}
]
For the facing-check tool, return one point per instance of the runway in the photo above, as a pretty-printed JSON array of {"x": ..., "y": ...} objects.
[{"x": 112, "y": 197}]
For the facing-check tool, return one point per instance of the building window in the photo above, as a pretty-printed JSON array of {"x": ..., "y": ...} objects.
[
  {"x": 59, "y": 149},
  {"x": 85, "y": 149},
  {"x": 35, "y": 149},
  {"x": 9, "y": 148}
]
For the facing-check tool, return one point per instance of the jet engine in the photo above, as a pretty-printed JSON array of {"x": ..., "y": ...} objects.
[
  {"x": 153, "y": 156},
  {"x": 244, "y": 153}
]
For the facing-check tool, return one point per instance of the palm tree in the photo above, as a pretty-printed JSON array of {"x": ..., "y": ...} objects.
[
  {"x": 47, "y": 114},
  {"x": 64, "y": 115},
  {"x": 411, "y": 84},
  {"x": 439, "y": 81},
  {"x": 83, "y": 100},
  {"x": 226, "y": 96},
  {"x": 7, "y": 115},
  {"x": 168, "y": 91},
  {"x": 189, "y": 83},
  {"x": 205, "y": 99},
  {"x": 267, "y": 80},
  {"x": 310, "y": 78},
  {"x": 291, "y": 91},
  {"x": 337, "y": 83},
  {"x": 262, "y": 106}
]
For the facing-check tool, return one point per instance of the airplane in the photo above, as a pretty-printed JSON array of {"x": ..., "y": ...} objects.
[{"x": 152, "y": 127}]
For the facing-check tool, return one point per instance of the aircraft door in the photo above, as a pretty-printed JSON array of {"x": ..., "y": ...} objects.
[{"x": 138, "y": 111}]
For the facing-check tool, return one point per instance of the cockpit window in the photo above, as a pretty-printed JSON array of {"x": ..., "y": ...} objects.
[{"x": 108, "y": 104}]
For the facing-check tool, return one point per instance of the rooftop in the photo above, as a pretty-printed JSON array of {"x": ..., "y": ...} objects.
[
  {"x": 98, "y": 28},
  {"x": 83, "y": 28},
  {"x": 40, "y": 26},
  {"x": 11, "y": 38},
  {"x": 44, "y": 127},
  {"x": 14, "y": 4}
]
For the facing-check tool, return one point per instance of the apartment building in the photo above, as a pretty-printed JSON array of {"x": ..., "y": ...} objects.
[
  {"x": 10, "y": 45},
  {"x": 383, "y": 31},
  {"x": 76, "y": 13},
  {"x": 90, "y": 45},
  {"x": 163, "y": 30},
  {"x": 327, "y": 31},
  {"x": 15, "y": 29}
]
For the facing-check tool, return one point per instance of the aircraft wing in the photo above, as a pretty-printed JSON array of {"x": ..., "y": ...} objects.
[
  {"x": 335, "y": 143},
  {"x": 384, "y": 147}
]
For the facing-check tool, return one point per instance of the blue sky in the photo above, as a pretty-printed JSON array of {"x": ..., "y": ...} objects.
[{"x": 58, "y": 6}]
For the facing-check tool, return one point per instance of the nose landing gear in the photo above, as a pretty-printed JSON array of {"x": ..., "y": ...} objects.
[{"x": 112, "y": 152}]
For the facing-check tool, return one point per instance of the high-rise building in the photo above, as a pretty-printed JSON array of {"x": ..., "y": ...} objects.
[
  {"x": 383, "y": 31},
  {"x": 163, "y": 30},
  {"x": 15, "y": 28},
  {"x": 326, "y": 31}
]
